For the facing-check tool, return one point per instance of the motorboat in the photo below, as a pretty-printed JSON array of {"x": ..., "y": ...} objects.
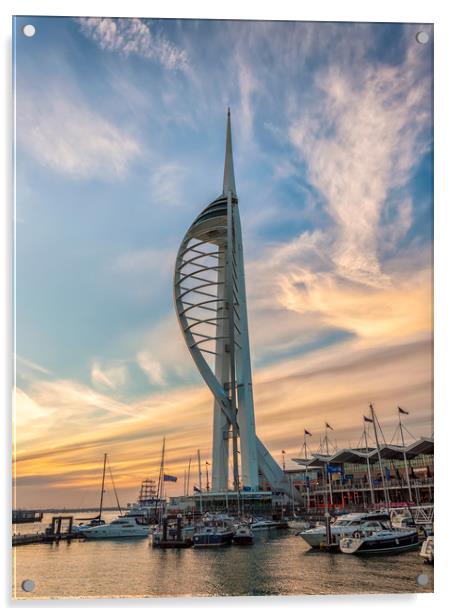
[
  {"x": 243, "y": 535},
  {"x": 427, "y": 550},
  {"x": 408, "y": 518},
  {"x": 258, "y": 524},
  {"x": 121, "y": 527},
  {"x": 214, "y": 532},
  {"x": 383, "y": 541},
  {"x": 344, "y": 526},
  {"x": 93, "y": 523}
]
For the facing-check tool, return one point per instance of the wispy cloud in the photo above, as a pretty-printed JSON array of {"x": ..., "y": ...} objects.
[
  {"x": 133, "y": 37},
  {"x": 32, "y": 365},
  {"x": 166, "y": 185},
  {"x": 151, "y": 367},
  {"x": 68, "y": 136},
  {"x": 111, "y": 376},
  {"x": 60, "y": 449},
  {"x": 362, "y": 139}
]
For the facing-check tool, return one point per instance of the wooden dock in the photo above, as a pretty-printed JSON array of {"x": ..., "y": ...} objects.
[
  {"x": 26, "y": 539},
  {"x": 52, "y": 534}
]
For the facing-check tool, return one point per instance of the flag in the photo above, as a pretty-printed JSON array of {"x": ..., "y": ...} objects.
[
  {"x": 283, "y": 451},
  {"x": 169, "y": 478},
  {"x": 368, "y": 419},
  {"x": 402, "y": 411},
  {"x": 327, "y": 425},
  {"x": 307, "y": 433},
  {"x": 195, "y": 489},
  {"x": 208, "y": 463}
]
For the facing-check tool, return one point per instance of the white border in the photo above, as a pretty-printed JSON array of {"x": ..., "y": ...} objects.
[{"x": 435, "y": 11}]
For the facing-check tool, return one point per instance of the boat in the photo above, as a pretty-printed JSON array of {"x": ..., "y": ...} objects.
[
  {"x": 123, "y": 526},
  {"x": 344, "y": 526},
  {"x": 410, "y": 518},
  {"x": 148, "y": 505},
  {"x": 92, "y": 522},
  {"x": 384, "y": 541},
  {"x": 259, "y": 524},
  {"x": 214, "y": 532},
  {"x": 427, "y": 550},
  {"x": 97, "y": 520},
  {"x": 243, "y": 535}
]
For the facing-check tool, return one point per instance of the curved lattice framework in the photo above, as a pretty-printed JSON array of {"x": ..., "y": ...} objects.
[{"x": 210, "y": 301}]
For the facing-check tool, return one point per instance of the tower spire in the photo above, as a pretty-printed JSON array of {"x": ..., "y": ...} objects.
[{"x": 228, "y": 180}]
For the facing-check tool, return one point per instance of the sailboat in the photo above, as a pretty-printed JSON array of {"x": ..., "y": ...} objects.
[{"x": 97, "y": 520}]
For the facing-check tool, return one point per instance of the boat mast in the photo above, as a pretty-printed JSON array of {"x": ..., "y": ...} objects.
[
  {"x": 369, "y": 474},
  {"x": 383, "y": 478},
  {"x": 404, "y": 457},
  {"x": 160, "y": 483},
  {"x": 102, "y": 488},
  {"x": 200, "y": 482}
]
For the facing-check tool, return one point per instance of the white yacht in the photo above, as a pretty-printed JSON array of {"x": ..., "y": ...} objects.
[
  {"x": 258, "y": 524},
  {"x": 121, "y": 527},
  {"x": 386, "y": 540},
  {"x": 344, "y": 526}
]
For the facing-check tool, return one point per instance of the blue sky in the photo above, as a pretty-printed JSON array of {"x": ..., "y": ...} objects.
[{"x": 120, "y": 143}]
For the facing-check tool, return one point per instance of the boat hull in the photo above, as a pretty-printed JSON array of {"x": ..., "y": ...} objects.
[
  {"x": 211, "y": 540},
  {"x": 380, "y": 545}
]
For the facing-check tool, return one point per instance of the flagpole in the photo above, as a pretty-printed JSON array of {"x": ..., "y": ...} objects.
[
  {"x": 383, "y": 478},
  {"x": 200, "y": 481},
  {"x": 328, "y": 478},
  {"x": 404, "y": 458},
  {"x": 369, "y": 474},
  {"x": 291, "y": 494}
]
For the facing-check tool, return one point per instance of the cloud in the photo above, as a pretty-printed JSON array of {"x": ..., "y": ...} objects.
[
  {"x": 23, "y": 361},
  {"x": 60, "y": 449},
  {"x": 166, "y": 185},
  {"x": 363, "y": 138},
  {"x": 111, "y": 376},
  {"x": 248, "y": 87},
  {"x": 151, "y": 367},
  {"x": 133, "y": 37},
  {"x": 66, "y": 135}
]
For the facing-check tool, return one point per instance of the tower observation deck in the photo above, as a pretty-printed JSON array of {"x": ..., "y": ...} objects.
[{"x": 210, "y": 302}]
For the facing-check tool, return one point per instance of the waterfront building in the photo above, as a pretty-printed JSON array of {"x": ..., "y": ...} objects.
[{"x": 351, "y": 478}]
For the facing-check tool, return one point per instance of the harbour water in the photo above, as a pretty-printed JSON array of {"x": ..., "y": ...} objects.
[{"x": 279, "y": 563}]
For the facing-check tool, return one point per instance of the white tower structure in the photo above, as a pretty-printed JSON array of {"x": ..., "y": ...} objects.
[{"x": 210, "y": 301}]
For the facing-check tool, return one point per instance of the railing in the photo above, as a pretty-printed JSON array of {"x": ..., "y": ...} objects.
[{"x": 364, "y": 485}]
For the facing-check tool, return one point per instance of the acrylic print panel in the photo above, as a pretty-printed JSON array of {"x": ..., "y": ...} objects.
[{"x": 223, "y": 318}]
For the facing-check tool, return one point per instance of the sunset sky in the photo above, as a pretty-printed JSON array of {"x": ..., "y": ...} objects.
[{"x": 120, "y": 129}]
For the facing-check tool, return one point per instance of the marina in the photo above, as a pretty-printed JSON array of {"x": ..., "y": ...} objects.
[{"x": 278, "y": 562}]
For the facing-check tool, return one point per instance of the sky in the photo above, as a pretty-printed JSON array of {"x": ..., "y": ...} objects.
[{"x": 119, "y": 143}]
